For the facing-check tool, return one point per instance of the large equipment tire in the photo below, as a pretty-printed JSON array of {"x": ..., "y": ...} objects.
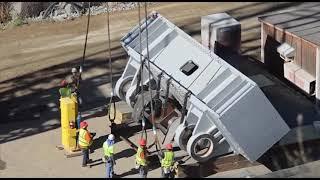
[
  {"x": 122, "y": 87},
  {"x": 201, "y": 147},
  {"x": 182, "y": 135}
]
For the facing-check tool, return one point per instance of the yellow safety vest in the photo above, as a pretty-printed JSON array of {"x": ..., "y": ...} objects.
[
  {"x": 82, "y": 140},
  {"x": 65, "y": 92},
  {"x": 168, "y": 159},
  {"x": 140, "y": 160},
  {"x": 108, "y": 150}
]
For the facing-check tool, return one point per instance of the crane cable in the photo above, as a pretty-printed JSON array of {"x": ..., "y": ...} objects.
[
  {"x": 111, "y": 74},
  {"x": 85, "y": 43},
  {"x": 84, "y": 48},
  {"x": 152, "y": 110},
  {"x": 143, "y": 130}
]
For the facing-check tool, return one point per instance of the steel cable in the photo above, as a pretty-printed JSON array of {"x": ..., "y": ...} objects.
[
  {"x": 151, "y": 104},
  {"x": 111, "y": 74},
  {"x": 141, "y": 75},
  {"x": 86, "y": 40}
]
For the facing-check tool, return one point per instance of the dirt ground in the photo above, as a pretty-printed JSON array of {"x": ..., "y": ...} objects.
[{"x": 34, "y": 58}]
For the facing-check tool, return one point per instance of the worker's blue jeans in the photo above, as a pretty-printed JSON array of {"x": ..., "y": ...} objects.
[
  {"x": 168, "y": 175},
  {"x": 143, "y": 171},
  {"x": 85, "y": 159},
  {"x": 109, "y": 169}
]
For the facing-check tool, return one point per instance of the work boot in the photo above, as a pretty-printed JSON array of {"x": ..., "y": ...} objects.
[{"x": 89, "y": 161}]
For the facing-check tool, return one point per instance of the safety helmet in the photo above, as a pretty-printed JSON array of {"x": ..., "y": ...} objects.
[
  {"x": 63, "y": 83},
  {"x": 73, "y": 70},
  {"x": 111, "y": 137},
  {"x": 83, "y": 124},
  {"x": 142, "y": 142},
  {"x": 169, "y": 146}
]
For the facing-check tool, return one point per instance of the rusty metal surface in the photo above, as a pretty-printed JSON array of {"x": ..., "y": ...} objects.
[
  {"x": 308, "y": 58},
  {"x": 305, "y": 55}
]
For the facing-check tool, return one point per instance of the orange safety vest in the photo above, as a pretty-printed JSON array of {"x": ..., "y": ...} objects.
[{"x": 82, "y": 140}]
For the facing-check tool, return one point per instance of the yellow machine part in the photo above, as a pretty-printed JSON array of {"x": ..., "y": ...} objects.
[{"x": 69, "y": 111}]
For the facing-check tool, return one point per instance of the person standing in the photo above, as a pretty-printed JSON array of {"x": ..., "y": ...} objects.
[
  {"x": 75, "y": 82},
  {"x": 167, "y": 162},
  {"x": 141, "y": 159},
  {"x": 108, "y": 150},
  {"x": 85, "y": 141},
  {"x": 65, "y": 90}
]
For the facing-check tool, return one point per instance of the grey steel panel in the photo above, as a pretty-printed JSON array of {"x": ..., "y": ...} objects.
[{"x": 225, "y": 105}]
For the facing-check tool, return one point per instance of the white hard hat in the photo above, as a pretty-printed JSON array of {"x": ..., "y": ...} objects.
[
  {"x": 73, "y": 70},
  {"x": 111, "y": 137}
]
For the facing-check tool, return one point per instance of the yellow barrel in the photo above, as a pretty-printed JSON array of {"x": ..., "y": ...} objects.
[
  {"x": 69, "y": 112},
  {"x": 74, "y": 97}
]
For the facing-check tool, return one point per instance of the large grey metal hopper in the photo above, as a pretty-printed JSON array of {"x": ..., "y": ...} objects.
[{"x": 226, "y": 111}]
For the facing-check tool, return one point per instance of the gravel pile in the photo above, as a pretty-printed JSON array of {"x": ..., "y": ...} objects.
[
  {"x": 116, "y": 6},
  {"x": 95, "y": 10}
]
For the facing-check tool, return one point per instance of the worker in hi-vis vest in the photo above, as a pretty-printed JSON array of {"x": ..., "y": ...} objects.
[
  {"x": 65, "y": 90},
  {"x": 85, "y": 141},
  {"x": 108, "y": 151},
  {"x": 75, "y": 82},
  {"x": 141, "y": 159},
  {"x": 167, "y": 162}
]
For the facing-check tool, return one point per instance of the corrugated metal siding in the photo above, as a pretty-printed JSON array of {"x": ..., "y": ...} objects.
[
  {"x": 308, "y": 58},
  {"x": 296, "y": 43},
  {"x": 304, "y": 23},
  {"x": 305, "y": 56}
]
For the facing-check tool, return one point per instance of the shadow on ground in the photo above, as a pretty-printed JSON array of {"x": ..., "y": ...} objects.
[
  {"x": 280, "y": 93},
  {"x": 39, "y": 111},
  {"x": 283, "y": 157}
]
